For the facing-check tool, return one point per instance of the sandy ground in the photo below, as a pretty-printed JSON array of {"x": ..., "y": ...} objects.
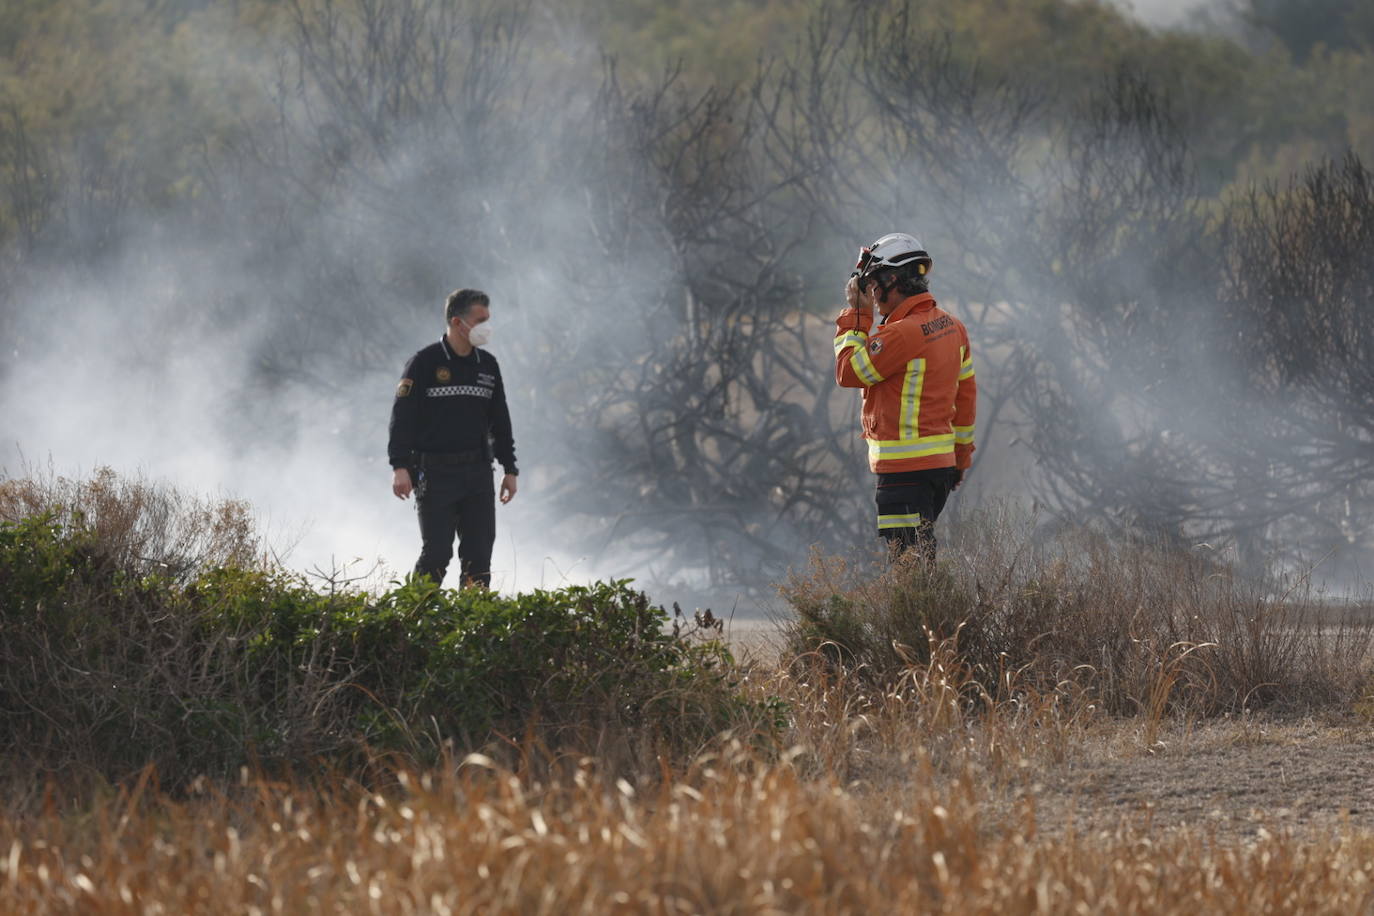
[
  {"x": 1231, "y": 777},
  {"x": 1228, "y": 778}
]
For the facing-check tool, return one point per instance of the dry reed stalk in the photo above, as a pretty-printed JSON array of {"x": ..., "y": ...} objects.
[
  {"x": 1085, "y": 607},
  {"x": 855, "y": 729}
]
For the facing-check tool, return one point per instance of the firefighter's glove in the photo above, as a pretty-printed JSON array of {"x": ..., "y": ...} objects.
[{"x": 958, "y": 478}]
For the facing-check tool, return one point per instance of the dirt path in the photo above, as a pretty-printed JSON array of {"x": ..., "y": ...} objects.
[{"x": 1230, "y": 779}]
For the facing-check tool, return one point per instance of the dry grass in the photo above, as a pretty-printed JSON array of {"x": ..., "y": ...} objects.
[
  {"x": 141, "y": 524},
  {"x": 1147, "y": 628},
  {"x": 730, "y": 835},
  {"x": 992, "y": 739},
  {"x": 913, "y": 798}
]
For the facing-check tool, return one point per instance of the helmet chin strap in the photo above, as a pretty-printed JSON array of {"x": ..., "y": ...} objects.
[{"x": 884, "y": 287}]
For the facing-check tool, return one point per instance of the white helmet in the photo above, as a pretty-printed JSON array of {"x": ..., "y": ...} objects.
[{"x": 897, "y": 249}]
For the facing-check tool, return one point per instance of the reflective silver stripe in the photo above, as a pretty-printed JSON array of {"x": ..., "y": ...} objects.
[
  {"x": 849, "y": 339},
  {"x": 863, "y": 367},
  {"x": 963, "y": 435},
  {"x": 899, "y": 521},
  {"x": 910, "y": 425},
  {"x": 898, "y": 449},
  {"x": 448, "y": 391}
]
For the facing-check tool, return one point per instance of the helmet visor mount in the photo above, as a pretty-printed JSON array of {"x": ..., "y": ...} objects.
[
  {"x": 862, "y": 265},
  {"x": 867, "y": 268}
]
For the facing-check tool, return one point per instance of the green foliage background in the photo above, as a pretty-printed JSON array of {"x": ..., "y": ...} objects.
[{"x": 103, "y": 78}]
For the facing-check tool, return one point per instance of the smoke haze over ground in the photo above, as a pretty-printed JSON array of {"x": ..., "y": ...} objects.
[
  {"x": 663, "y": 258},
  {"x": 1169, "y": 13}
]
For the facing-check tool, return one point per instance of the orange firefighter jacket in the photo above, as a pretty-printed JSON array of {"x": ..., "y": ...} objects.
[{"x": 919, "y": 393}]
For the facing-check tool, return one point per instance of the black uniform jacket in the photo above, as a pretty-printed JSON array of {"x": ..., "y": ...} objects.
[{"x": 448, "y": 403}]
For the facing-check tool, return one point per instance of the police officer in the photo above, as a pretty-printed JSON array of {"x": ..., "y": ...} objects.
[
  {"x": 919, "y": 393},
  {"x": 448, "y": 421}
]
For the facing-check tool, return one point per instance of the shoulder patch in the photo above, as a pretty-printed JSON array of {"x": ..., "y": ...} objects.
[
  {"x": 442, "y": 374},
  {"x": 875, "y": 345},
  {"x": 403, "y": 389}
]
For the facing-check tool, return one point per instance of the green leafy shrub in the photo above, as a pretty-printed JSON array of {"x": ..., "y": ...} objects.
[
  {"x": 419, "y": 661},
  {"x": 107, "y": 666}
]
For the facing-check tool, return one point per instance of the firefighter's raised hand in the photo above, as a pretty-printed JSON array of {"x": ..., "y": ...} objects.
[
  {"x": 858, "y": 298},
  {"x": 401, "y": 483},
  {"x": 508, "y": 487},
  {"x": 855, "y": 298}
]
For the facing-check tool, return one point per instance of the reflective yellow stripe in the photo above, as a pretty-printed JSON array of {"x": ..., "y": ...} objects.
[
  {"x": 863, "y": 367},
  {"x": 909, "y": 420},
  {"x": 918, "y": 447},
  {"x": 963, "y": 435},
  {"x": 965, "y": 364},
  {"x": 850, "y": 339},
  {"x": 899, "y": 521}
]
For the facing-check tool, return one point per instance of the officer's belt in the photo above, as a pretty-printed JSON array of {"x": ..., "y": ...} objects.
[{"x": 453, "y": 459}]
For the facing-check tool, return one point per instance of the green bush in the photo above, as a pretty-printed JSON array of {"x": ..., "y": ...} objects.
[
  {"x": 106, "y": 667},
  {"x": 420, "y": 659}
]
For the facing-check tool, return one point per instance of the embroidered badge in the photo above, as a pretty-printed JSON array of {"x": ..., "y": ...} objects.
[
  {"x": 403, "y": 389},
  {"x": 875, "y": 345},
  {"x": 442, "y": 374}
]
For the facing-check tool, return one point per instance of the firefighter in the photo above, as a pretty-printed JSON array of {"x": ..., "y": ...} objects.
[
  {"x": 448, "y": 421},
  {"x": 916, "y": 375}
]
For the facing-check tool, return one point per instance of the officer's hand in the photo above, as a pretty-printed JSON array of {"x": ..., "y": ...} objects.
[
  {"x": 958, "y": 477},
  {"x": 401, "y": 484},
  {"x": 508, "y": 487}
]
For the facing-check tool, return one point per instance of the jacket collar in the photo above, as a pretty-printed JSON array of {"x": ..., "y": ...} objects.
[
  {"x": 450, "y": 355},
  {"x": 918, "y": 303}
]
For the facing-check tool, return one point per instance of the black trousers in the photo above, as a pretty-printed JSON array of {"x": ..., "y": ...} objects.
[
  {"x": 461, "y": 502},
  {"x": 908, "y": 505}
]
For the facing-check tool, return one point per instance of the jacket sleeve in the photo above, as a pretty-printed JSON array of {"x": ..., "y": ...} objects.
[
  {"x": 502, "y": 437},
  {"x": 965, "y": 405},
  {"x": 405, "y": 417},
  {"x": 863, "y": 359},
  {"x": 851, "y": 337}
]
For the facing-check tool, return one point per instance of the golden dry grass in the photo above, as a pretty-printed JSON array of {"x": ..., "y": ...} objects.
[
  {"x": 908, "y": 798},
  {"x": 730, "y": 835},
  {"x": 944, "y": 785}
]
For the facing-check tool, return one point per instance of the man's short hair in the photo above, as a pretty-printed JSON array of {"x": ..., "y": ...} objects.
[
  {"x": 907, "y": 280},
  {"x": 461, "y": 301}
]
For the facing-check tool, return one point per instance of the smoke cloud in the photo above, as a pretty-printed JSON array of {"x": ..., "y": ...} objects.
[{"x": 657, "y": 258}]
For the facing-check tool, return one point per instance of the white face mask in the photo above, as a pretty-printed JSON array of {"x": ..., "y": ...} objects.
[{"x": 479, "y": 335}]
